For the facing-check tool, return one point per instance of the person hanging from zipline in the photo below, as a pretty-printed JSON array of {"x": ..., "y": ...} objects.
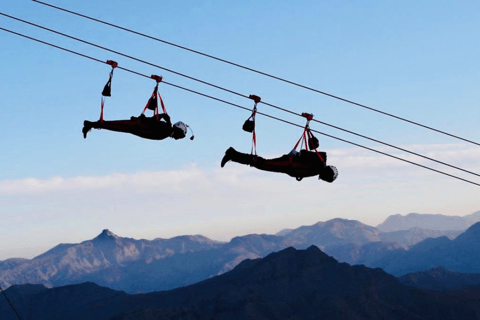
[
  {"x": 296, "y": 164},
  {"x": 157, "y": 127}
]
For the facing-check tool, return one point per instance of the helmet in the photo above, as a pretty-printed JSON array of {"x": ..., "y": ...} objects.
[
  {"x": 330, "y": 174},
  {"x": 179, "y": 130}
]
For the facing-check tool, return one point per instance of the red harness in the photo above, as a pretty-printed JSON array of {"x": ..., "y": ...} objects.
[
  {"x": 152, "y": 103},
  {"x": 107, "y": 90},
  {"x": 307, "y": 134}
]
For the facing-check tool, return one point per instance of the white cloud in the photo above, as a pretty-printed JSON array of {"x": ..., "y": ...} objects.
[
  {"x": 222, "y": 203},
  {"x": 182, "y": 181}
]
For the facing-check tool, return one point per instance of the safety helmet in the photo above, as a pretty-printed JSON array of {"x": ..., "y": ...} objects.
[
  {"x": 179, "y": 130},
  {"x": 330, "y": 174}
]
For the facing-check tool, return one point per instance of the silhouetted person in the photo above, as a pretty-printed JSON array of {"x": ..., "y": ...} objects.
[
  {"x": 155, "y": 128},
  {"x": 295, "y": 164}
]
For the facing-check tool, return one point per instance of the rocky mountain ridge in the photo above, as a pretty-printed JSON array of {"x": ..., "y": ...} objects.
[
  {"x": 162, "y": 264},
  {"x": 440, "y": 278},
  {"x": 290, "y": 284},
  {"x": 460, "y": 254}
]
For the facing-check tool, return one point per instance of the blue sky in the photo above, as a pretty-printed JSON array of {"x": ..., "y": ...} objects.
[{"x": 417, "y": 60}]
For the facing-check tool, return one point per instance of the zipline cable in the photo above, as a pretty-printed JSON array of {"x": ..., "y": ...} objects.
[
  {"x": 241, "y": 107},
  {"x": 259, "y": 72},
  {"x": 10, "y": 303},
  {"x": 231, "y": 91}
]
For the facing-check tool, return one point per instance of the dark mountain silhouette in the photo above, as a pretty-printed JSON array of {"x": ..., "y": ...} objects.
[
  {"x": 440, "y": 278},
  {"x": 428, "y": 221},
  {"x": 290, "y": 284},
  {"x": 81, "y": 301},
  {"x": 460, "y": 255}
]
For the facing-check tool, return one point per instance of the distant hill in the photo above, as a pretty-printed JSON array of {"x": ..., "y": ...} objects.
[
  {"x": 366, "y": 254},
  {"x": 439, "y": 278},
  {"x": 337, "y": 232},
  {"x": 415, "y": 235},
  {"x": 332, "y": 232},
  {"x": 11, "y": 263},
  {"x": 356, "y": 243},
  {"x": 290, "y": 284},
  {"x": 461, "y": 255},
  {"x": 428, "y": 221},
  {"x": 283, "y": 232}
]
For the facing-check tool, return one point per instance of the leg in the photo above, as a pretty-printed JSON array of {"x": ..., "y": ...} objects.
[
  {"x": 275, "y": 165},
  {"x": 235, "y": 156}
]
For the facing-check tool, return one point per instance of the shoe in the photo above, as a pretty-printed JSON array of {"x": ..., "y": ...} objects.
[
  {"x": 227, "y": 157},
  {"x": 85, "y": 129}
]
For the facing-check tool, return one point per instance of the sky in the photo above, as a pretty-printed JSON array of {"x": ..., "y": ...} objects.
[{"x": 414, "y": 59}]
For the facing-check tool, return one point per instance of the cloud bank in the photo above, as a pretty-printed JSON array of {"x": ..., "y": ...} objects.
[{"x": 235, "y": 200}]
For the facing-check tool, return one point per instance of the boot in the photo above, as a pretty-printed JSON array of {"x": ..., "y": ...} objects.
[
  {"x": 87, "y": 126},
  {"x": 235, "y": 156},
  {"x": 227, "y": 157}
]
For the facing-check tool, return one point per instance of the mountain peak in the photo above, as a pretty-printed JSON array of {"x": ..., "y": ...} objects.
[{"x": 107, "y": 234}]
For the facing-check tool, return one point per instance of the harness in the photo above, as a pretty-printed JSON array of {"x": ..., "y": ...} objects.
[
  {"x": 307, "y": 137},
  {"x": 107, "y": 89},
  {"x": 152, "y": 103},
  {"x": 249, "y": 125}
]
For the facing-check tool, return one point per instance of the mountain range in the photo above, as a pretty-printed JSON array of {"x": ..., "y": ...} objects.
[
  {"x": 461, "y": 254},
  {"x": 290, "y": 284},
  {"x": 161, "y": 264}
]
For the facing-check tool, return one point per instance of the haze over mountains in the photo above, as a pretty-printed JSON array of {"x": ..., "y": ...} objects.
[
  {"x": 290, "y": 284},
  {"x": 162, "y": 264},
  {"x": 428, "y": 221},
  {"x": 461, "y": 254}
]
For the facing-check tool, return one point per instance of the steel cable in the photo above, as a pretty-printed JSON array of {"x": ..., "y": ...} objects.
[
  {"x": 241, "y": 107},
  {"x": 258, "y": 72},
  {"x": 231, "y": 91}
]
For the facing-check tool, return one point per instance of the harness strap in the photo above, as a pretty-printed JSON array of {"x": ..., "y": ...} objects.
[
  {"x": 318, "y": 153},
  {"x": 161, "y": 102},
  {"x": 305, "y": 140},
  {"x": 307, "y": 134},
  {"x": 256, "y": 99},
  {"x": 101, "y": 112},
  {"x": 302, "y": 137},
  {"x": 154, "y": 98},
  {"x": 298, "y": 142},
  {"x": 254, "y": 144},
  {"x": 107, "y": 89}
]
